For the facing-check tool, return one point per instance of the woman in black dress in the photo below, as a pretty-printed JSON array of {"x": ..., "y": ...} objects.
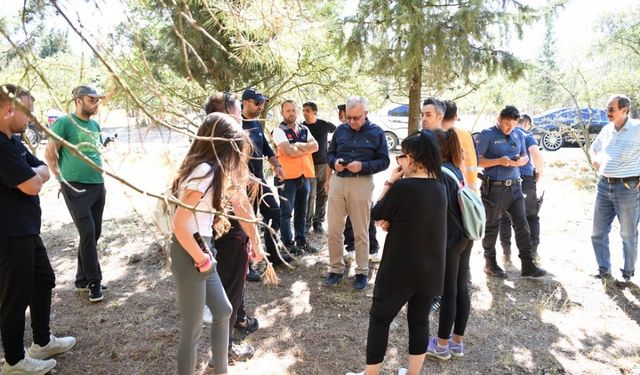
[
  {"x": 413, "y": 208},
  {"x": 456, "y": 303}
]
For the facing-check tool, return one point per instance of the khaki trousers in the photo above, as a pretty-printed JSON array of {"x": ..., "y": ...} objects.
[{"x": 349, "y": 196}]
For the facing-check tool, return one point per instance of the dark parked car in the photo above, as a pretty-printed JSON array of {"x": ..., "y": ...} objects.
[{"x": 561, "y": 126}]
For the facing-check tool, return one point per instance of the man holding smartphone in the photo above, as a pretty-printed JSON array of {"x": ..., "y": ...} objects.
[
  {"x": 501, "y": 152},
  {"x": 357, "y": 151}
]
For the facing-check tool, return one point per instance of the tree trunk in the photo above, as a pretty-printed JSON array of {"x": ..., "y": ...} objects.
[{"x": 414, "y": 99}]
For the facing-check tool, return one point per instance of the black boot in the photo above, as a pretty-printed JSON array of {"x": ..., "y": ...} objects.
[
  {"x": 529, "y": 269},
  {"x": 491, "y": 268},
  {"x": 534, "y": 256}
]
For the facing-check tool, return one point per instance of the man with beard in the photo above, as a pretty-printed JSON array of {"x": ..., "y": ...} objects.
[
  {"x": 82, "y": 186},
  {"x": 26, "y": 276},
  {"x": 295, "y": 148},
  {"x": 252, "y": 105}
]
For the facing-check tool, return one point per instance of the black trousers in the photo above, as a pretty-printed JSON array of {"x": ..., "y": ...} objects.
[
  {"x": 86, "y": 208},
  {"x": 456, "y": 303},
  {"x": 383, "y": 310},
  {"x": 233, "y": 260},
  {"x": 531, "y": 208},
  {"x": 350, "y": 241},
  {"x": 26, "y": 279},
  {"x": 270, "y": 211},
  {"x": 497, "y": 200}
]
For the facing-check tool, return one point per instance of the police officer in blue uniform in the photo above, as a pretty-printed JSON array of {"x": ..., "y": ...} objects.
[{"x": 501, "y": 152}]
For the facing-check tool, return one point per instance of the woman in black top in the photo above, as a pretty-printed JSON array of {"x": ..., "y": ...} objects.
[
  {"x": 413, "y": 208},
  {"x": 456, "y": 304}
]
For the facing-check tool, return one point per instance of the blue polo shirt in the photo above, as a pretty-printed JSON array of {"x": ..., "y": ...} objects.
[
  {"x": 20, "y": 213},
  {"x": 618, "y": 150},
  {"x": 261, "y": 144},
  {"x": 494, "y": 144},
  {"x": 368, "y": 145},
  {"x": 529, "y": 140}
]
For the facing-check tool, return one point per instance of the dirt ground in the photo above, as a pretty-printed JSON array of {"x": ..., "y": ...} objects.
[{"x": 566, "y": 323}]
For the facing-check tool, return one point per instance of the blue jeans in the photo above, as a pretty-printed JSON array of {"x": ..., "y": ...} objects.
[
  {"x": 296, "y": 193},
  {"x": 612, "y": 200}
]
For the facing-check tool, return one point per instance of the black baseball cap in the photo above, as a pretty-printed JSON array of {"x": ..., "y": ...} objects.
[
  {"x": 253, "y": 94},
  {"x": 81, "y": 91}
]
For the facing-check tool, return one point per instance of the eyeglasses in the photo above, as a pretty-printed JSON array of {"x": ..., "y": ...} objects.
[
  {"x": 256, "y": 102},
  {"x": 354, "y": 118}
]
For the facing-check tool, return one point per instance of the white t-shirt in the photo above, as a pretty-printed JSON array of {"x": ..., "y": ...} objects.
[{"x": 201, "y": 222}]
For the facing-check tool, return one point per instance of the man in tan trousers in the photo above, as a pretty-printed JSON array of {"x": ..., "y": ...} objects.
[{"x": 357, "y": 151}]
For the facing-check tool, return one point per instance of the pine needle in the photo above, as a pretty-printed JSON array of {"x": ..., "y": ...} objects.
[{"x": 269, "y": 277}]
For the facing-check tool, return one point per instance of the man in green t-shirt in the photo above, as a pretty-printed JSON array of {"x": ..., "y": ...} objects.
[{"x": 82, "y": 186}]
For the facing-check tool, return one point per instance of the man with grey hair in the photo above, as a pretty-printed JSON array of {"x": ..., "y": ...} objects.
[
  {"x": 614, "y": 155},
  {"x": 357, "y": 151},
  {"x": 432, "y": 113}
]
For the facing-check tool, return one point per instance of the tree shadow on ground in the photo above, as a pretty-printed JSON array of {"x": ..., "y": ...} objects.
[{"x": 627, "y": 298}]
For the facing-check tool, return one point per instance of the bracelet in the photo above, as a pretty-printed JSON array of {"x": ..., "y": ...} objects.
[
  {"x": 387, "y": 183},
  {"x": 203, "y": 263}
]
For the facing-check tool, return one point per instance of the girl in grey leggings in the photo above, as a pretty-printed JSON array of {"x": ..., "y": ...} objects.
[
  {"x": 215, "y": 162},
  {"x": 195, "y": 289}
]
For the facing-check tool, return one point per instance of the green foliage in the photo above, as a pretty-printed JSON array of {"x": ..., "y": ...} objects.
[{"x": 446, "y": 41}]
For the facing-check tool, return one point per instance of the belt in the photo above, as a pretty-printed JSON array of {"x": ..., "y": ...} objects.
[
  {"x": 619, "y": 180},
  {"x": 505, "y": 182},
  {"x": 350, "y": 174}
]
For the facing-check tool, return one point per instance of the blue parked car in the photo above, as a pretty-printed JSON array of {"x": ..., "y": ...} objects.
[{"x": 558, "y": 127}]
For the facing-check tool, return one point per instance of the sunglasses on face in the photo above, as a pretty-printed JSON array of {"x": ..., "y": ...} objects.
[
  {"x": 256, "y": 102},
  {"x": 354, "y": 118},
  {"x": 92, "y": 99}
]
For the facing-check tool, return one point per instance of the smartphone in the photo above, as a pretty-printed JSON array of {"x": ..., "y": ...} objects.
[
  {"x": 344, "y": 163},
  {"x": 516, "y": 158}
]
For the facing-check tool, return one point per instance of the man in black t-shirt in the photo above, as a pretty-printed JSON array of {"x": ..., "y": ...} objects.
[
  {"x": 317, "y": 203},
  {"x": 26, "y": 276}
]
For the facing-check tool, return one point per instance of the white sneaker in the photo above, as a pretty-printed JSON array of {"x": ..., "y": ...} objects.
[
  {"x": 349, "y": 256},
  {"x": 375, "y": 257},
  {"x": 403, "y": 371},
  {"x": 55, "y": 346},
  {"x": 207, "y": 318},
  {"x": 29, "y": 366}
]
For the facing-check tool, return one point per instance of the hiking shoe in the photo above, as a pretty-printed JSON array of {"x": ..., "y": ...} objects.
[
  {"x": 247, "y": 325},
  {"x": 360, "y": 282},
  {"x": 95, "y": 292},
  {"x": 253, "y": 276},
  {"x": 435, "y": 303},
  {"x": 55, "y": 346},
  {"x": 304, "y": 246},
  {"x": 375, "y": 257},
  {"x": 456, "y": 350},
  {"x": 529, "y": 269},
  {"x": 85, "y": 287},
  {"x": 332, "y": 279},
  {"x": 240, "y": 352},
  {"x": 623, "y": 282},
  {"x": 293, "y": 249},
  {"x": 435, "y": 351},
  {"x": 492, "y": 269},
  {"x": 29, "y": 366}
]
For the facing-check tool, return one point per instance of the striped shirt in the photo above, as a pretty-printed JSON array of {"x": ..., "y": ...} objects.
[{"x": 618, "y": 151}]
